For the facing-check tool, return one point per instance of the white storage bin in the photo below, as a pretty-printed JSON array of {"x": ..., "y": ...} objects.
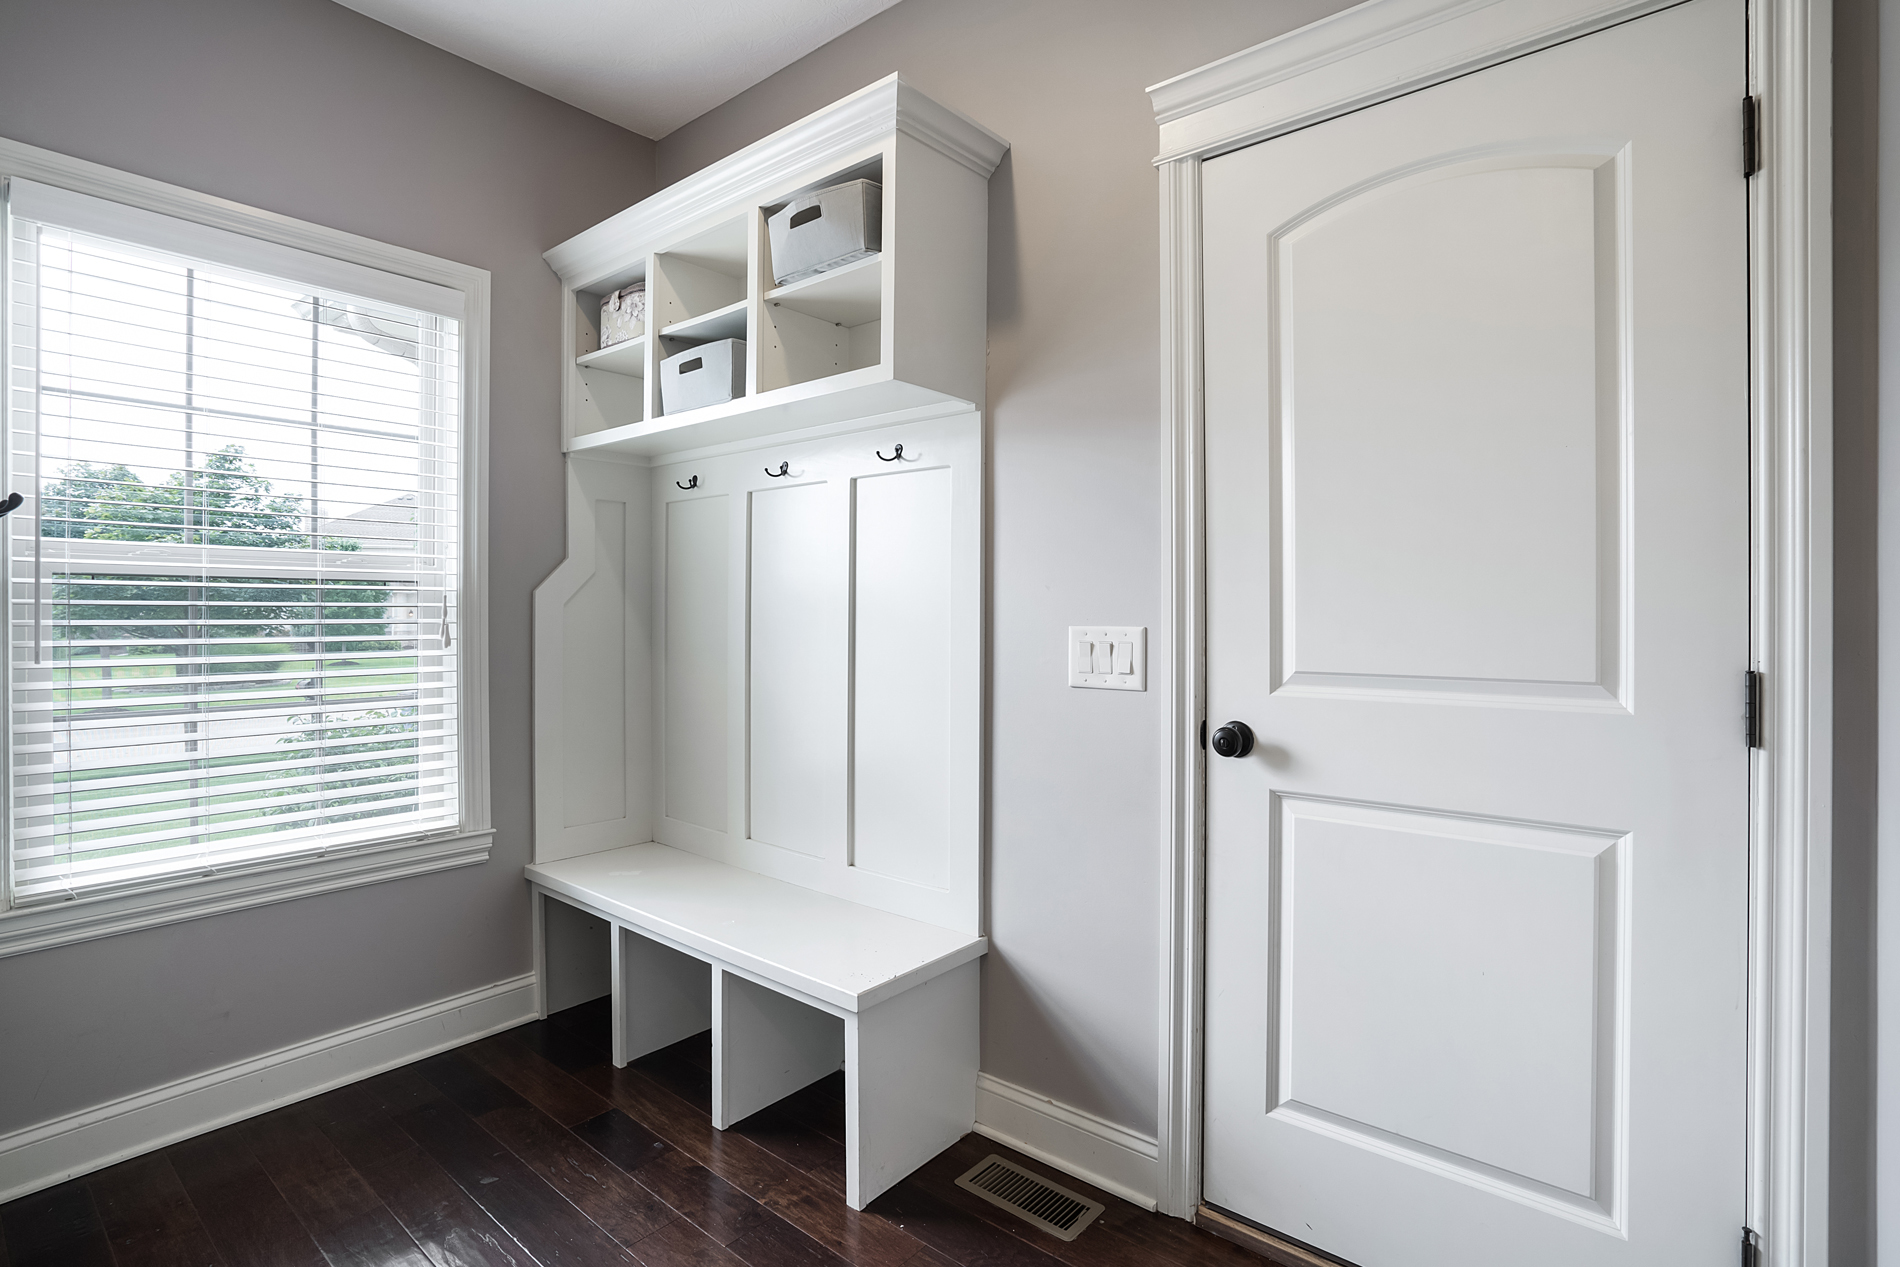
[
  {"x": 709, "y": 374},
  {"x": 825, "y": 230},
  {"x": 623, "y": 315}
]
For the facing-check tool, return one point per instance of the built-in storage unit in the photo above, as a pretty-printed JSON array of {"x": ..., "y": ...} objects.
[
  {"x": 758, "y": 674},
  {"x": 901, "y": 329}
]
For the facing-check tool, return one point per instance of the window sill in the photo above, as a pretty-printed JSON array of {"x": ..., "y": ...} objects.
[{"x": 41, "y": 927}]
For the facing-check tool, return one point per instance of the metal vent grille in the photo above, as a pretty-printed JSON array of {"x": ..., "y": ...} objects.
[{"x": 1056, "y": 1211}]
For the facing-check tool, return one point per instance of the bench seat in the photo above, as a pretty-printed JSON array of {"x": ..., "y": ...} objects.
[{"x": 795, "y": 985}]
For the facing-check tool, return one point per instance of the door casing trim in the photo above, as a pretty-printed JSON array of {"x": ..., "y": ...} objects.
[{"x": 1383, "y": 49}]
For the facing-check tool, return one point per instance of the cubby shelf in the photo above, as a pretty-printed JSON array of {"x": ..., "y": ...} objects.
[
  {"x": 628, "y": 358},
  {"x": 721, "y": 323},
  {"x": 848, "y": 296}
]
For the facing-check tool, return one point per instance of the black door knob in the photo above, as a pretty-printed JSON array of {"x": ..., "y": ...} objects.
[{"x": 1235, "y": 739}]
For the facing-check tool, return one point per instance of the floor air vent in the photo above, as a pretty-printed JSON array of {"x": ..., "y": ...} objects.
[{"x": 1056, "y": 1211}]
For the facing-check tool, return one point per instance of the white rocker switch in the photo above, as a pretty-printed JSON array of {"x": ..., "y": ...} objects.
[{"x": 1108, "y": 657}]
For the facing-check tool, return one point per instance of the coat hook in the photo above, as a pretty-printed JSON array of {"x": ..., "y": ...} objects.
[
  {"x": 689, "y": 486},
  {"x": 784, "y": 468},
  {"x": 897, "y": 456}
]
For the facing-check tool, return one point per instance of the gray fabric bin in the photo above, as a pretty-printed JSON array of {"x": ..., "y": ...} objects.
[
  {"x": 828, "y": 229},
  {"x": 709, "y": 374}
]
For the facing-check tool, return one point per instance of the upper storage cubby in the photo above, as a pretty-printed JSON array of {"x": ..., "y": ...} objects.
[{"x": 892, "y": 323}]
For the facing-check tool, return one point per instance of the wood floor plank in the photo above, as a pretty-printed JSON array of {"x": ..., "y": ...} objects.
[
  {"x": 611, "y": 1198},
  {"x": 248, "y": 1219},
  {"x": 705, "y": 1200},
  {"x": 536, "y": 1079},
  {"x": 449, "y": 1226},
  {"x": 470, "y": 1087},
  {"x": 670, "y": 1067},
  {"x": 776, "y": 1243},
  {"x": 800, "y": 1200},
  {"x": 537, "y": 1216},
  {"x": 567, "y": 1044},
  {"x": 928, "y": 1257},
  {"x": 960, "y": 1236},
  {"x": 865, "y": 1238},
  {"x": 595, "y": 1018},
  {"x": 733, "y": 1158},
  {"x": 819, "y": 1107},
  {"x": 148, "y": 1219},
  {"x": 343, "y": 1215},
  {"x": 781, "y": 1132},
  {"x": 1176, "y": 1241},
  {"x": 58, "y": 1227},
  {"x": 623, "y": 1141},
  {"x": 680, "y": 1244}
]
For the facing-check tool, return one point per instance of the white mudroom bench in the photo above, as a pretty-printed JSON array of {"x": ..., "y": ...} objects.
[
  {"x": 763, "y": 651},
  {"x": 795, "y": 984}
]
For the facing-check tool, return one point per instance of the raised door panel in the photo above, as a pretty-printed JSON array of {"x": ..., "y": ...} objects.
[
  {"x": 1448, "y": 365},
  {"x": 1403, "y": 935}
]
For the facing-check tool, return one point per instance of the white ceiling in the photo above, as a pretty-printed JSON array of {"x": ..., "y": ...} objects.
[{"x": 648, "y": 65}]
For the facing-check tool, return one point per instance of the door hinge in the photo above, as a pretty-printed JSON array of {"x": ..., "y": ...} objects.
[
  {"x": 1751, "y": 136},
  {"x": 1751, "y": 1248},
  {"x": 1752, "y": 708}
]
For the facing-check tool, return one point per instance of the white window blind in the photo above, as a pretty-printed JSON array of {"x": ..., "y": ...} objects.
[{"x": 233, "y": 578}]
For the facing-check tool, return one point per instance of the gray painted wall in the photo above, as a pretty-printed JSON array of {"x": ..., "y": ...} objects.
[
  {"x": 1070, "y": 990},
  {"x": 306, "y": 108}
]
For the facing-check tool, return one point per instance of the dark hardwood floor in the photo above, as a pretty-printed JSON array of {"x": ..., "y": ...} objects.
[{"x": 531, "y": 1148}]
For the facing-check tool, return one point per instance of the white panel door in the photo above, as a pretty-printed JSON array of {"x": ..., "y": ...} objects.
[{"x": 1477, "y": 490}]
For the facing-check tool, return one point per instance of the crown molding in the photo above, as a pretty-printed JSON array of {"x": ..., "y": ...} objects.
[
  {"x": 1359, "y": 57},
  {"x": 865, "y": 117}
]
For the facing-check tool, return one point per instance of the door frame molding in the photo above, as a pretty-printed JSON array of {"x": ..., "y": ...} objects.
[{"x": 1383, "y": 49}]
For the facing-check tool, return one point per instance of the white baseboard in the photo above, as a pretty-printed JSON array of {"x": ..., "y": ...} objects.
[
  {"x": 79, "y": 1143},
  {"x": 1095, "y": 1151}
]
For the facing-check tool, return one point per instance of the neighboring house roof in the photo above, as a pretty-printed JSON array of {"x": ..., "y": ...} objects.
[{"x": 386, "y": 526}]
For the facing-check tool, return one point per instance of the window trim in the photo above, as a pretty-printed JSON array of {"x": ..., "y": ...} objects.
[{"x": 25, "y": 929}]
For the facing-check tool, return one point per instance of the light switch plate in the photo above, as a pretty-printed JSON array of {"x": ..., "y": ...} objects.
[{"x": 1108, "y": 657}]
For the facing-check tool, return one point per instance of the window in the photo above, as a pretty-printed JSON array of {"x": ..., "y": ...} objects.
[{"x": 236, "y": 574}]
